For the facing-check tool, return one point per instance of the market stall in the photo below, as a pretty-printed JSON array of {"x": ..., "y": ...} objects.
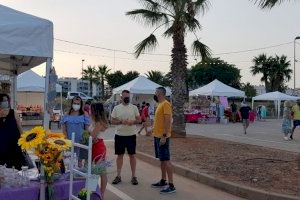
[{"x": 211, "y": 100}]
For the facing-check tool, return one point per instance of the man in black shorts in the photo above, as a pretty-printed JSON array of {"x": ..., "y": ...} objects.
[
  {"x": 245, "y": 109},
  {"x": 125, "y": 116}
]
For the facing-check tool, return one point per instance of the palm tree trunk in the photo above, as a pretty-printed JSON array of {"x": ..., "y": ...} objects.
[{"x": 179, "y": 71}]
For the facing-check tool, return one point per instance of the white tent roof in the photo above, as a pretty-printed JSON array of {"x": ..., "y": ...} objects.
[
  {"x": 140, "y": 85},
  {"x": 30, "y": 81},
  {"x": 217, "y": 88},
  {"x": 25, "y": 41},
  {"x": 275, "y": 96}
]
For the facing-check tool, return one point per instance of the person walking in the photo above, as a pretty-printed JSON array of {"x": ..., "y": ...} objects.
[
  {"x": 125, "y": 116},
  {"x": 287, "y": 120},
  {"x": 145, "y": 119},
  {"x": 244, "y": 110},
  {"x": 296, "y": 117},
  {"x": 162, "y": 133}
]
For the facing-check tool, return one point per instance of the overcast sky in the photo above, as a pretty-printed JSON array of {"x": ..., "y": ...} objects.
[{"x": 230, "y": 25}]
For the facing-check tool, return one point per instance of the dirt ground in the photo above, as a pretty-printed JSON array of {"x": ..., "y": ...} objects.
[{"x": 259, "y": 167}]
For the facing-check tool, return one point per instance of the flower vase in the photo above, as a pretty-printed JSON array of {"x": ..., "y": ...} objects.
[{"x": 50, "y": 188}]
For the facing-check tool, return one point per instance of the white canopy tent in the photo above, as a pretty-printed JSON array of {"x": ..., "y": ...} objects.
[
  {"x": 274, "y": 96},
  {"x": 26, "y": 41},
  {"x": 217, "y": 88},
  {"x": 140, "y": 85},
  {"x": 30, "y": 81}
]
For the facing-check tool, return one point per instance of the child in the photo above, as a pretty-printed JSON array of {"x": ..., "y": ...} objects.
[
  {"x": 98, "y": 126},
  {"x": 287, "y": 123}
]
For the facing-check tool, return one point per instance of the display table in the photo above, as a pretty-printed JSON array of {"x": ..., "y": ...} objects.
[{"x": 32, "y": 191}]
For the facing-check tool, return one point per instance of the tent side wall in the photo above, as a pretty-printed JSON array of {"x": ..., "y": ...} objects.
[{"x": 30, "y": 98}]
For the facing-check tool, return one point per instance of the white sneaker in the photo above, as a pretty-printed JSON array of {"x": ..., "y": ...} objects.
[{"x": 286, "y": 138}]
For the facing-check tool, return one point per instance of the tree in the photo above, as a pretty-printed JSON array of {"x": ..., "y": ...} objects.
[
  {"x": 275, "y": 71},
  {"x": 90, "y": 75},
  {"x": 249, "y": 89},
  {"x": 102, "y": 73},
  {"x": 211, "y": 69},
  {"x": 280, "y": 73},
  {"x": 158, "y": 77},
  {"x": 129, "y": 76},
  {"x": 178, "y": 17},
  {"x": 262, "y": 66},
  {"x": 115, "y": 79}
]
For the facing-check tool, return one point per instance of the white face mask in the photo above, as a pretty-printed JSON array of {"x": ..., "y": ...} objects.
[
  {"x": 4, "y": 105},
  {"x": 76, "y": 107}
]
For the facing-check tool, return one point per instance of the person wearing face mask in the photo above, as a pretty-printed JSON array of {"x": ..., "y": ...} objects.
[
  {"x": 125, "y": 116},
  {"x": 75, "y": 121},
  {"x": 162, "y": 133},
  {"x": 10, "y": 131}
]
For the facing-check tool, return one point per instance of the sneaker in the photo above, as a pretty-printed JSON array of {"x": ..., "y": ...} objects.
[
  {"x": 286, "y": 138},
  {"x": 117, "y": 180},
  {"x": 159, "y": 184},
  {"x": 291, "y": 137},
  {"x": 168, "y": 190},
  {"x": 134, "y": 181}
]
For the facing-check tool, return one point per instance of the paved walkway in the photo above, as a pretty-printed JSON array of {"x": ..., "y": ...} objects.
[
  {"x": 262, "y": 133},
  {"x": 147, "y": 174}
]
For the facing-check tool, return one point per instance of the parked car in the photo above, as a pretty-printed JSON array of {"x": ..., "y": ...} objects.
[{"x": 83, "y": 96}]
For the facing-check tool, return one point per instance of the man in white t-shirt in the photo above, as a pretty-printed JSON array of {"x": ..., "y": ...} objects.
[{"x": 125, "y": 116}]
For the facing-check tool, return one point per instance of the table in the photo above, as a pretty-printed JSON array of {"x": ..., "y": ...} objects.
[{"x": 32, "y": 191}]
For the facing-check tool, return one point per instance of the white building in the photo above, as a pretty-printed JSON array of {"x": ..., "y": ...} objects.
[{"x": 73, "y": 84}]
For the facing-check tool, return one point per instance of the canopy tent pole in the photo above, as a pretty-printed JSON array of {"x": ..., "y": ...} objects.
[
  {"x": 46, "y": 114},
  {"x": 278, "y": 109},
  {"x": 252, "y": 103},
  {"x": 14, "y": 92}
]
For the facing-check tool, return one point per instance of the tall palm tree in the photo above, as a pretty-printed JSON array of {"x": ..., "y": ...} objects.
[
  {"x": 178, "y": 17},
  {"x": 102, "y": 73},
  {"x": 280, "y": 73},
  {"x": 262, "y": 66},
  {"x": 90, "y": 74}
]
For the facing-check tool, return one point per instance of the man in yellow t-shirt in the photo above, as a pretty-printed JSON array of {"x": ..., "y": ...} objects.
[
  {"x": 162, "y": 133},
  {"x": 296, "y": 117}
]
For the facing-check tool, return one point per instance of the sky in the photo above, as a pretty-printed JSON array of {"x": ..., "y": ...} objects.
[{"x": 228, "y": 26}]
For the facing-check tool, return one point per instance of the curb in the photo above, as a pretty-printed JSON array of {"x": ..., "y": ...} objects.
[{"x": 227, "y": 186}]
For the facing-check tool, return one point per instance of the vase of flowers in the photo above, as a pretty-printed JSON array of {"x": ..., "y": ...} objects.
[{"x": 48, "y": 147}]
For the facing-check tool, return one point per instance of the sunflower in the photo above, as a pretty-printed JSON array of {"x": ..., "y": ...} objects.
[
  {"x": 55, "y": 135},
  {"x": 32, "y": 138},
  {"x": 60, "y": 144}
]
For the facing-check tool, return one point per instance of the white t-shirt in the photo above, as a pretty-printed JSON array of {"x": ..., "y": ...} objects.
[{"x": 125, "y": 112}]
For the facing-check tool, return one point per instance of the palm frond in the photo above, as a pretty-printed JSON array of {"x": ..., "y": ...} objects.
[
  {"x": 169, "y": 32},
  {"x": 201, "y": 6},
  {"x": 148, "y": 17},
  {"x": 191, "y": 22},
  {"x": 147, "y": 44},
  {"x": 268, "y": 4},
  {"x": 150, "y": 4},
  {"x": 200, "y": 49}
]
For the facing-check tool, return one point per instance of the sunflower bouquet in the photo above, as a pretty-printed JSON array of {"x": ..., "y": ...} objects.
[{"x": 48, "y": 147}]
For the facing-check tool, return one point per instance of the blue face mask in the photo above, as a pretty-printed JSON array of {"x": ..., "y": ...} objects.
[{"x": 4, "y": 105}]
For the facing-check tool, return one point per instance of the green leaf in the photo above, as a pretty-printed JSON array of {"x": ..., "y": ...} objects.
[
  {"x": 147, "y": 44},
  {"x": 264, "y": 4},
  {"x": 200, "y": 49},
  {"x": 148, "y": 17}
]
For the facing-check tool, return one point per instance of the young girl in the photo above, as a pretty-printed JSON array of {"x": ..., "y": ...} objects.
[
  {"x": 98, "y": 126},
  {"x": 287, "y": 117}
]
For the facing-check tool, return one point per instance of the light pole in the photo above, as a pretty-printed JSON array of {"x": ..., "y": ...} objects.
[
  {"x": 82, "y": 61},
  {"x": 298, "y": 37}
]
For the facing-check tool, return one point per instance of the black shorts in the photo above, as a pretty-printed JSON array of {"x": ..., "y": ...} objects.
[
  {"x": 125, "y": 142},
  {"x": 296, "y": 122},
  {"x": 162, "y": 151}
]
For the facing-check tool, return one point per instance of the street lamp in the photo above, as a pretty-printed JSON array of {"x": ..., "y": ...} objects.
[
  {"x": 297, "y": 38},
  {"x": 82, "y": 61}
]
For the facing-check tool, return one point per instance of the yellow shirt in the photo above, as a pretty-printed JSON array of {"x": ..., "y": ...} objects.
[
  {"x": 163, "y": 108},
  {"x": 125, "y": 112},
  {"x": 296, "y": 111}
]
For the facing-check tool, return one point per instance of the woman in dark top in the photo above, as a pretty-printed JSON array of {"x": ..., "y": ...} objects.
[{"x": 10, "y": 129}]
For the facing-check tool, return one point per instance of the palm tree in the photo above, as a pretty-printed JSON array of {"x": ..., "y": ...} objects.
[
  {"x": 178, "y": 17},
  {"x": 269, "y": 3},
  {"x": 155, "y": 76},
  {"x": 262, "y": 66},
  {"x": 280, "y": 73},
  {"x": 90, "y": 75},
  {"x": 102, "y": 73}
]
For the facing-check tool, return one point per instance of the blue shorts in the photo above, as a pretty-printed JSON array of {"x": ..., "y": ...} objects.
[
  {"x": 296, "y": 123},
  {"x": 162, "y": 151}
]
